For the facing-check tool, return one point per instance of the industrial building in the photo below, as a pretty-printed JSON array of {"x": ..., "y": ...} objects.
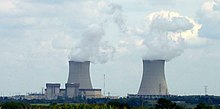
[
  {"x": 53, "y": 91},
  {"x": 153, "y": 79},
  {"x": 34, "y": 96},
  {"x": 72, "y": 90},
  {"x": 90, "y": 93},
  {"x": 78, "y": 83}
]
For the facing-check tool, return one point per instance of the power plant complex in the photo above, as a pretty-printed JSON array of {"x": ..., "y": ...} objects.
[{"x": 79, "y": 83}]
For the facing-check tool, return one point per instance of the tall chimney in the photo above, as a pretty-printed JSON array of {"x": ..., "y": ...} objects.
[
  {"x": 79, "y": 72},
  {"x": 153, "y": 79}
]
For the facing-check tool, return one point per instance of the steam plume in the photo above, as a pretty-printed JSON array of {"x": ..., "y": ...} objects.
[
  {"x": 113, "y": 13},
  {"x": 91, "y": 47},
  {"x": 169, "y": 35}
]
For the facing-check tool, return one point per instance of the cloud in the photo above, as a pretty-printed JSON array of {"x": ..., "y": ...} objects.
[
  {"x": 6, "y": 6},
  {"x": 216, "y": 5},
  {"x": 161, "y": 2},
  {"x": 63, "y": 41},
  {"x": 209, "y": 17}
]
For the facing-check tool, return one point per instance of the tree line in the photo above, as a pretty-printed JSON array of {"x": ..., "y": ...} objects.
[{"x": 115, "y": 104}]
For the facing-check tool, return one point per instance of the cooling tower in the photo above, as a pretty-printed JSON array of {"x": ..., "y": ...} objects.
[
  {"x": 79, "y": 72},
  {"x": 153, "y": 79}
]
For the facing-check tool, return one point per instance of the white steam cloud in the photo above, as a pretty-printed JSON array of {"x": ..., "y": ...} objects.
[
  {"x": 91, "y": 48},
  {"x": 169, "y": 35},
  {"x": 113, "y": 13}
]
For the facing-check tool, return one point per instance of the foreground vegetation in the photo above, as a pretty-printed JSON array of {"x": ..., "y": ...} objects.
[
  {"x": 160, "y": 104},
  {"x": 18, "y": 105}
]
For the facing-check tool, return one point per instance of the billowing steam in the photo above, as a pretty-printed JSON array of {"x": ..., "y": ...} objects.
[
  {"x": 169, "y": 35},
  {"x": 91, "y": 47},
  {"x": 113, "y": 13}
]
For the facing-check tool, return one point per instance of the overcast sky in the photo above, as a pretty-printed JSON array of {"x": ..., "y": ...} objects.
[{"x": 39, "y": 37}]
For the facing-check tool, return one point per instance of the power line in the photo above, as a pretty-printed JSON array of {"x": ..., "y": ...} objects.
[{"x": 206, "y": 90}]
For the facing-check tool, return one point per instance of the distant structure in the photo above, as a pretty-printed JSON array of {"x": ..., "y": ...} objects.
[
  {"x": 71, "y": 90},
  {"x": 79, "y": 72},
  {"x": 52, "y": 91},
  {"x": 153, "y": 79},
  {"x": 35, "y": 96},
  {"x": 90, "y": 93},
  {"x": 78, "y": 84}
]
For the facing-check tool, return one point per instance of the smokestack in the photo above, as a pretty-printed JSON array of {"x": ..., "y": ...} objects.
[
  {"x": 153, "y": 79},
  {"x": 79, "y": 72}
]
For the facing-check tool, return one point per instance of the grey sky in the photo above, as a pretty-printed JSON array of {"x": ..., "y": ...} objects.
[{"x": 36, "y": 38}]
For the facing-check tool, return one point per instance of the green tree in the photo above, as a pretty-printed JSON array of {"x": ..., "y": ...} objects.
[
  {"x": 203, "y": 106},
  {"x": 166, "y": 104},
  {"x": 15, "y": 105}
]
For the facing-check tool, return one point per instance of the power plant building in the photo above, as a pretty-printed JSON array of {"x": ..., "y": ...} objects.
[
  {"x": 52, "y": 91},
  {"x": 72, "y": 90},
  {"x": 153, "y": 79},
  {"x": 90, "y": 93},
  {"x": 78, "y": 84}
]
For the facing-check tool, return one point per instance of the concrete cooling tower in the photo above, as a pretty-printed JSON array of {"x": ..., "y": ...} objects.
[
  {"x": 79, "y": 72},
  {"x": 153, "y": 79}
]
